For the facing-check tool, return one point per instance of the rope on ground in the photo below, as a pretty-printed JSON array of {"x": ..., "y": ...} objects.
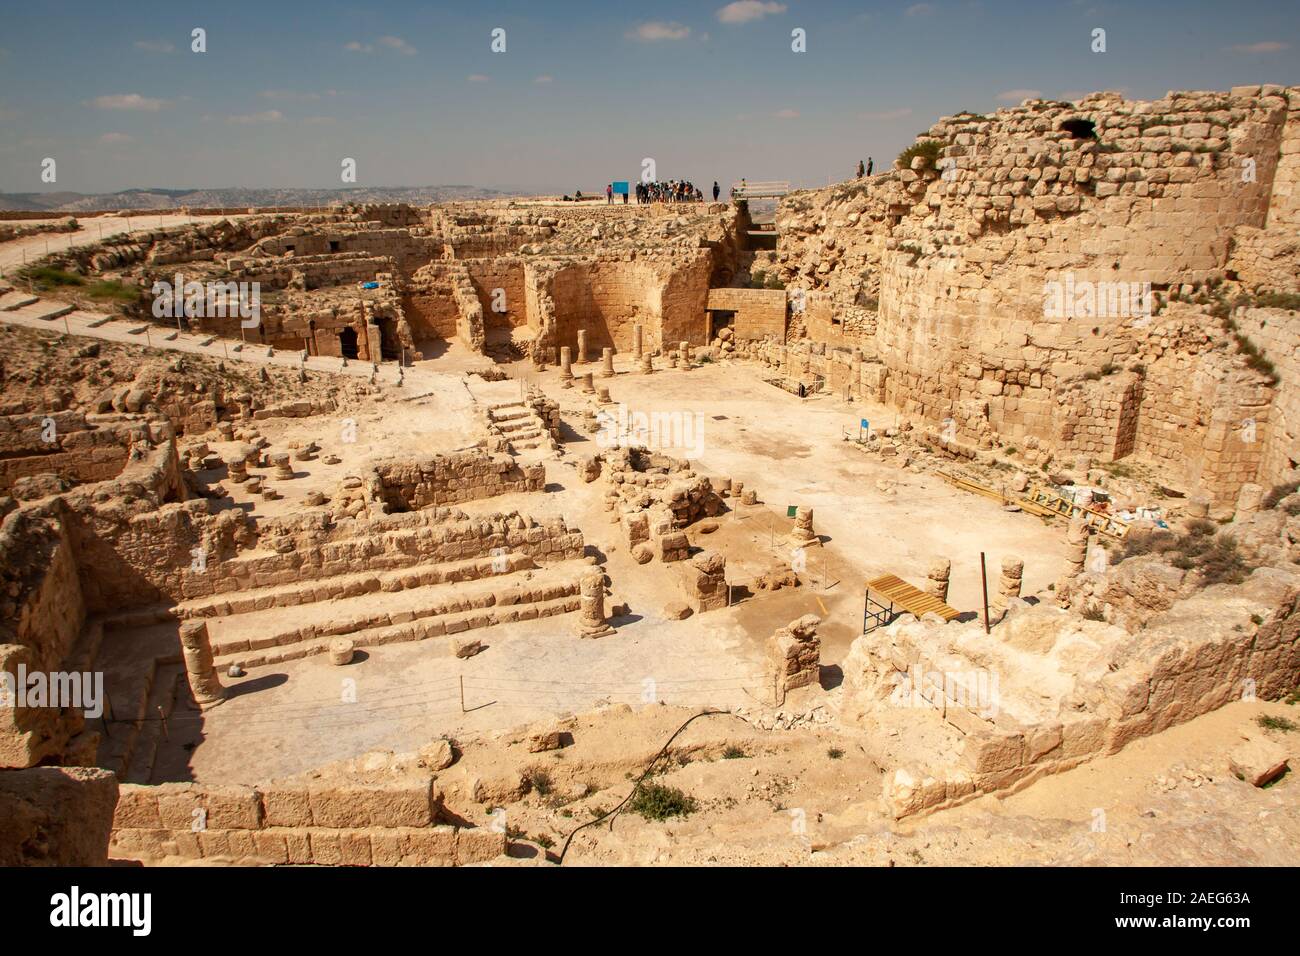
[{"x": 611, "y": 814}]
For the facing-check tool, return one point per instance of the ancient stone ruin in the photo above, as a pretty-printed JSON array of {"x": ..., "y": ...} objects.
[{"x": 963, "y": 475}]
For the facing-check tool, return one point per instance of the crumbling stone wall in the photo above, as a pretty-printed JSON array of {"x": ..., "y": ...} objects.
[
  {"x": 408, "y": 485},
  {"x": 56, "y": 816},
  {"x": 956, "y": 257}
]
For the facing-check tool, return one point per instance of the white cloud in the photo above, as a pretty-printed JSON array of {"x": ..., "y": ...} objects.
[
  {"x": 1265, "y": 46},
  {"x": 544, "y": 78},
  {"x": 658, "y": 30},
  {"x": 268, "y": 116},
  {"x": 885, "y": 115},
  {"x": 155, "y": 46},
  {"x": 356, "y": 46},
  {"x": 398, "y": 44},
  {"x": 127, "y": 101},
  {"x": 786, "y": 114},
  {"x": 1015, "y": 96},
  {"x": 115, "y": 139},
  {"x": 743, "y": 11},
  {"x": 919, "y": 10},
  {"x": 478, "y": 78}
]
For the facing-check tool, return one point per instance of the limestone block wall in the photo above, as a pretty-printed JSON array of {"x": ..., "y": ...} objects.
[
  {"x": 957, "y": 259},
  {"x": 682, "y": 302},
  {"x": 79, "y": 451},
  {"x": 44, "y": 615},
  {"x": 1192, "y": 659},
  {"x": 409, "y": 485},
  {"x": 408, "y": 250},
  {"x": 1284, "y": 204},
  {"x": 760, "y": 313},
  {"x": 431, "y": 309},
  {"x": 1277, "y": 333},
  {"x": 330, "y": 823},
  {"x": 606, "y": 299},
  {"x": 56, "y": 816},
  {"x": 507, "y": 275}
]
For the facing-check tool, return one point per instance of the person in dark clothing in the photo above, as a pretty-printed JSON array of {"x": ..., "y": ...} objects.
[
  {"x": 870, "y": 164},
  {"x": 609, "y": 193},
  {"x": 716, "y": 190},
  {"x": 861, "y": 169}
]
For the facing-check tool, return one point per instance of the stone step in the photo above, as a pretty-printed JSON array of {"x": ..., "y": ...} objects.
[
  {"x": 261, "y": 630},
  {"x": 335, "y": 587},
  {"x": 417, "y": 630},
  {"x": 522, "y": 424},
  {"x": 48, "y": 311},
  {"x": 167, "y": 686},
  {"x": 17, "y": 300}
]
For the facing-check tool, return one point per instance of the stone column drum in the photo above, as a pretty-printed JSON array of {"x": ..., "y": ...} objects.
[
  {"x": 196, "y": 650},
  {"x": 591, "y": 612},
  {"x": 566, "y": 366},
  {"x": 936, "y": 583},
  {"x": 607, "y": 363}
]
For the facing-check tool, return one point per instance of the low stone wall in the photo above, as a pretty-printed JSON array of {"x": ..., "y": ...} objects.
[
  {"x": 410, "y": 484},
  {"x": 1221, "y": 644},
  {"x": 336, "y": 824}
]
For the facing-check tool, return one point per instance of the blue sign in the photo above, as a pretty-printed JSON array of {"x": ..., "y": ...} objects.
[
  {"x": 865, "y": 423},
  {"x": 620, "y": 189}
]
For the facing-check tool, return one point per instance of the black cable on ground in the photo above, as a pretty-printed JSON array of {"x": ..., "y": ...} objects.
[{"x": 610, "y": 814}]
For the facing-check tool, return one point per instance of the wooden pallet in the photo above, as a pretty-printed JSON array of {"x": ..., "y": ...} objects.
[{"x": 885, "y": 592}]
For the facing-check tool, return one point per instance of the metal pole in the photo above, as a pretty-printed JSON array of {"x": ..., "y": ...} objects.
[
  {"x": 462, "y": 693},
  {"x": 984, "y": 584}
]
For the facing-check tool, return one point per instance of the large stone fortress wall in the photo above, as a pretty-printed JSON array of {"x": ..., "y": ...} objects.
[{"x": 939, "y": 271}]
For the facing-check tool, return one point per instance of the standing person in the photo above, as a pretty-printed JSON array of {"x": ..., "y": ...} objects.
[
  {"x": 609, "y": 193},
  {"x": 716, "y": 190},
  {"x": 861, "y": 169},
  {"x": 870, "y": 164}
]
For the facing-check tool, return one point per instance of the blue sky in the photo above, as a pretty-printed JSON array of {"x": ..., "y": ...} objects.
[{"x": 583, "y": 92}]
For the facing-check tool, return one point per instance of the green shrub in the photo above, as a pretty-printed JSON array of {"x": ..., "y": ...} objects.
[
  {"x": 928, "y": 149},
  {"x": 733, "y": 753},
  {"x": 655, "y": 801},
  {"x": 835, "y": 753},
  {"x": 1213, "y": 555},
  {"x": 1269, "y": 722}
]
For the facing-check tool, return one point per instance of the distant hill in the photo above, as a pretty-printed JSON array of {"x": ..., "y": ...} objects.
[{"x": 171, "y": 198}]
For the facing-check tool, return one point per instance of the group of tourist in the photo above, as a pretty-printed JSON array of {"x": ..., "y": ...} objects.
[{"x": 674, "y": 190}]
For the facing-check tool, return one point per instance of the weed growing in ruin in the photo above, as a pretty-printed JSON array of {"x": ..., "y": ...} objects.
[
  {"x": 655, "y": 801},
  {"x": 1093, "y": 612},
  {"x": 927, "y": 149},
  {"x": 1202, "y": 548},
  {"x": 1277, "y": 493},
  {"x": 543, "y": 840},
  {"x": 1284, "y": 724},
  {"x": 835, "y": 753},
  {"x": 540, "y": 782},
  {"x": 733, "y": 753}
]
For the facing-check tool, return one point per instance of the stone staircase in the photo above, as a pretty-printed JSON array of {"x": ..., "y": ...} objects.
[
  {"x": 145, "y": 680},
  {"x": 403, "y": 577},
  {"x": 274, "y": 625},
  {"x": 518, "y": 424},
  {"x": 29, "y": 306}
]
